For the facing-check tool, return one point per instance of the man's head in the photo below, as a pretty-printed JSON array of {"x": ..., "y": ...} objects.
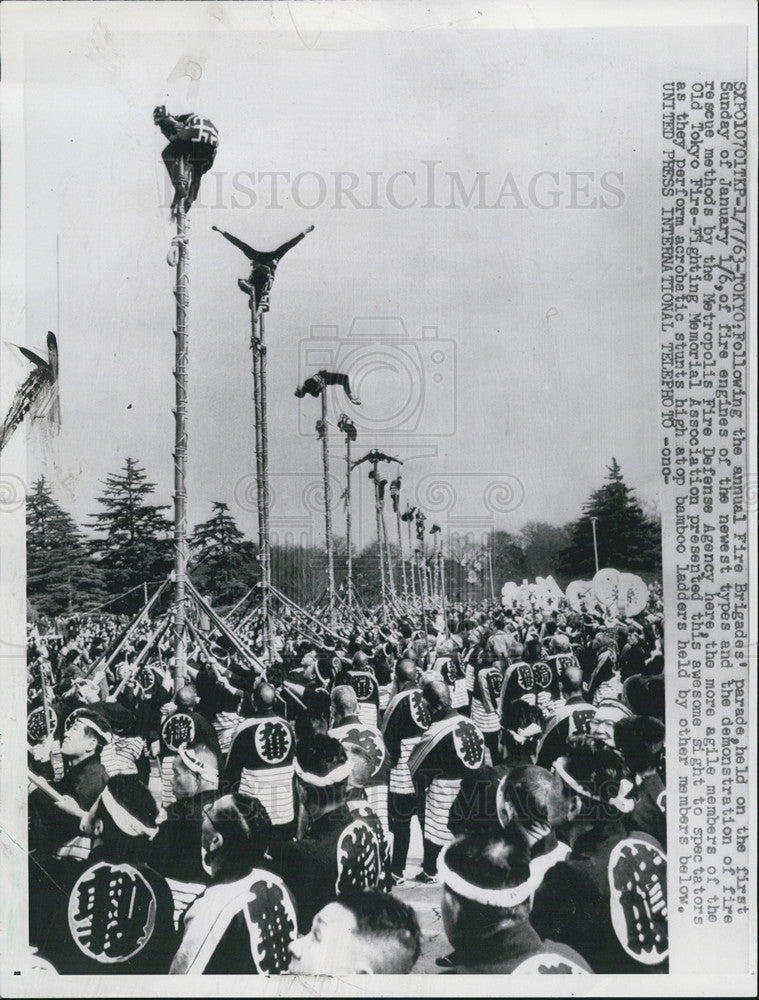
[
  {"x": 533, "y": 798},
  {"x": 361, "y": 661},
  {"x": 122, "y": 821},
  {"x": 87, "y": 732},
  {"x": 235, "y": 836},
  {"x": 595, "y": 781},
  {"x": 608, "y": 714},
  {"x": 366, "y": 932},
  {"x": 522, "y": 726},
  {"x": 486, "y": 886},
  {"x": 560, "y": 643},
  {"x": 516, "y": 652},
  {"x": 186, "y": 698},
  {"x": 570, "y": 680},
  {"x": 344, "y": 703},
  {"x": 318, "y": 707},
  {"x": 195, "y": 770},
  {"x": 640, "y": 740},
  {"x": 406, "y": 671},
  {"x": 263, "y": 697},
  {"x": 322, "y": 771},
  {"x": 437, "y": 696}
]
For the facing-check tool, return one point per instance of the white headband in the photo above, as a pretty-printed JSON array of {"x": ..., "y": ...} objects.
[
  {"x": 502, "y": 898},
  {"x": 88, "y": 721},
  {"x": 340, "y": 773},
  {"x": 123, "y": 819},
  {"x": 620, "y": 800},
  {"x": 189, "y": 759}
]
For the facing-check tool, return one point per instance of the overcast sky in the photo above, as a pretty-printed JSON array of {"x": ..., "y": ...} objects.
[{"x": 530, "y": 321}]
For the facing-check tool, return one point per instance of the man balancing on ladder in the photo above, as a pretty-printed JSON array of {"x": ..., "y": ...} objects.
[{"x": 263, "y": 264}]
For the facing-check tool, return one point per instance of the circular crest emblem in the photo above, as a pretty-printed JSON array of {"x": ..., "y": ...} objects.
[
  {"x": 273, "y": 741},
  {"x": 419, "y": 711},
  {"x": 638, "y": 882},
  {"x": 359, "y": 858},
  {"x": 35, "y": 724},
  {"x": 178, "y": 728},
  {"x": 469, "y": 744},
  {"x": 111, "y": 912},
  {"x": 272, "y": 926}
]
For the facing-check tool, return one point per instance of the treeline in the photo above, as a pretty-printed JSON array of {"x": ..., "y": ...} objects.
[{"x": 127, "y": 548}]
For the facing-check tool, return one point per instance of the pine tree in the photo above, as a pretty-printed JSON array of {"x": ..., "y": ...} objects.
[
  {"x": 61, "y": 577},
  {"x": 136, "y": 546},
  {"x": 224, "y": 562},
  {"x": 542, "y": 545},
  {"x": 627, "y": 539},
  {"x": 508, "y": 560}
]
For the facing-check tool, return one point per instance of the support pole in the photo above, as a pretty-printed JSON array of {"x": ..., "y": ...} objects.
[
  {"x": 259, "y": 419},
  {"x": 595, "y": 541},
  {"x": 327, "y": 511},
  {"x": 348, "y": 536},
  {"x": 411, "y": 560},
  {"x": 266, "y": 600},
  {"x": 423, "y": 592},
  {"x": 388, "y": 554},
  {"x": 442, "y": 591},
  {"x": 181, "y": 294},
  {"x": 378, "y": 517},
  {"x": 400, "y": 549},
  {"x": 490, "y": 566}
]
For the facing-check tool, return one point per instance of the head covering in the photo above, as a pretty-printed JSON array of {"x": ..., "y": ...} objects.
[{"x": 485, "y": 875}]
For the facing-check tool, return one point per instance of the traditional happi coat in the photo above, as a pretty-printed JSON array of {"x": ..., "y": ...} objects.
[
  {"x": 243, "y": 927},
  {"x": 453, "y": 674},
  {"x": 406, "y": 719},
  {"x": 175, "y": 851},
  {"x": 117, "y": 920},
  {"x": 535, "y": 683},
  {"x": 338, "y": 853},
  {"x": 516, "y": 950},
  {"x": 180, "y": 727},
  {"x": 260, "y": 765},
  {"x": 369, "y": 738},
  {"x": 54, "y": 832},
  {"x": 572, "y": 719},
  {"x": 608, "y": 901},
  {"x": 449, "y": 749},
  {"x": 487, "y": 691},
  {"x": 364, "y": 683}
]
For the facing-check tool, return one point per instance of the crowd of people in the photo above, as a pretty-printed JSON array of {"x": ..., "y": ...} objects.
[{"x": 262, "y": 821}]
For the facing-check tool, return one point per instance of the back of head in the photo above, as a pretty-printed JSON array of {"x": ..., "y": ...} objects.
[
  {"x": 361, "y": 661},
  {"x": 127, "y": 815},
  {"x": 571, "y": 680},
  {"x": 595, "y": 771},
  {"x": 437, "y": 694},
  {"x": 344, "y": 701},
  {"x": 559, "y": 643},
  {"x": 264, "y": 696},
  {"x": 640, "y": 740},
  {"x": 487, "y": 885},
  {"x": 245, "y": 828},
  {"x": 516, "y": 651},
  {"x": 186, "y": 698},
  {"x": 530, "y": 796},
  {"x": 405, "y": 671},
  {"x": 323, "y": 770},
  {"x": 387, "y": 930}
]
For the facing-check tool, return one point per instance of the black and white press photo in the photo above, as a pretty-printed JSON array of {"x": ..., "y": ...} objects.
[{"x": 377, "y": 497}]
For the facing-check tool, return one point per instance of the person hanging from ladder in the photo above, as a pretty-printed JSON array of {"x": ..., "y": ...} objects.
[{"x": 314, "y": 385}]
